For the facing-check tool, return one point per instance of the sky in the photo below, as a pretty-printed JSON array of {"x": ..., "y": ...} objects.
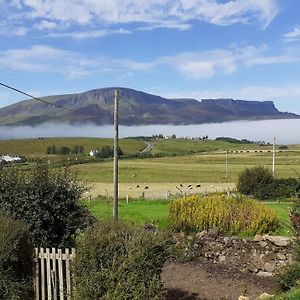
[{"x": 241, "y": 49}]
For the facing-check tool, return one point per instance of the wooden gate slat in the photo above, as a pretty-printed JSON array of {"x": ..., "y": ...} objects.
[{"x": 53, "y": 274}]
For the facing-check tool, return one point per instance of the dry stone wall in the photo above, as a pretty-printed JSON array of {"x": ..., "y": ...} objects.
[{"x": 262, "y": 255}]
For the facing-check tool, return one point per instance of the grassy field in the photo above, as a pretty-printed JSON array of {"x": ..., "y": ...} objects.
[
  {"x": 187, "y": 161},
  {"x": 156, "y": 212},
  {"x": 37, "y": 147},
  {"x": 203, "y": 167}
]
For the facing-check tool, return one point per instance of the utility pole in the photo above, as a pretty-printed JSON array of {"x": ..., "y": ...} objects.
[
  {"x": 273, "y": 169},
  {"x": 226, "y": 165},
  {"x": 116, "y": 158}
]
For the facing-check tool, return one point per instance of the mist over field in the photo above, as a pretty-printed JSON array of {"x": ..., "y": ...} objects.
[{"x": 285, "y": 131}]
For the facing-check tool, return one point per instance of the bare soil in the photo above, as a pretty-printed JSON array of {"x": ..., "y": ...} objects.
[{"x": 208, "y": 281}]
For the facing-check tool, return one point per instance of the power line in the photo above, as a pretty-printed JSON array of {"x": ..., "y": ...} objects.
[{"x": 35, "y": 98}]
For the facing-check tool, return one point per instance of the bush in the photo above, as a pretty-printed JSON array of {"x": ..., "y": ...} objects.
[
  {"x": 119, "y": 261},
  {"x": 231, "y": 216},
  {"x": 15, "y": 260},
  {"x": 260, "y": 183},
  {"x": 47, "y": 201},
  {"x": 289, "y": 277},
  {"x": 254, "y": 181}
]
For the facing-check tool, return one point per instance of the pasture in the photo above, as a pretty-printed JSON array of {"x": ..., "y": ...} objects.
[
  {"x": 174, "y": 161},
  {"x": 197, "y": 168},
  {"x": 156, "y": 212},
  {"x": 36, "y": 147}
]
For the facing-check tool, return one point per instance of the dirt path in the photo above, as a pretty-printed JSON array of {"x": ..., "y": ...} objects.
[{"x": 206, "y": 281}]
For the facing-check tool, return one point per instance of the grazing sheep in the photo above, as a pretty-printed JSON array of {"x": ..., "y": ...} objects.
[
  {"x": 146, "y": 188},
  {"x": 198, "y": 185},
  {"x": 212, "y": 186},
  {"x": 129, "y": 187},
  {"x": 180, "y": 185},
  {"x": 137, "y": 186},
  {"x": 189, "y": 186}
]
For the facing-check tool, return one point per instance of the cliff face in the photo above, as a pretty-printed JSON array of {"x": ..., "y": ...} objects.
[{"x": 136, "y": 108}]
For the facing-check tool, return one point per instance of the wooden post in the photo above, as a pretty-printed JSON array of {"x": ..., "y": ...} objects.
[
  {"x": 116, "y": 154},
  {"x": 43, "y": 274},
  {"x": 37, "y": 275},
  {"x": 48, "y": 272},
  {"x": 60, "y": 274}
]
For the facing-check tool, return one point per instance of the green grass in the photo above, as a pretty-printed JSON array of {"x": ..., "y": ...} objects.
[
  {"x": 293, "y": 294},
  {"x": 37, "y": 147},
  {"x": 157, "y": 211},
  {"x": 282, "y": 211},
  {"x": 140, "y": 212},
  {"x": 206, "y": 167}
]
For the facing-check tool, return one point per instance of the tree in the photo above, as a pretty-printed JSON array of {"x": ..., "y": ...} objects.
[
  {"x": 65, "y": 150},
  {"x": 107, "y": 151},
  {"x": 47, "y": 201}
]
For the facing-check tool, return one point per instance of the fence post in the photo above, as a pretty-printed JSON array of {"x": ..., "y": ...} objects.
[
  {"x": 68, "y": 278},
  {"x": 54, "y": 275},
  {"x": 48, "y": 265},
  {"x": 43, "y": 274},
  {"x": 60, "y": 274},
  {"x": 37, "y": 274}
]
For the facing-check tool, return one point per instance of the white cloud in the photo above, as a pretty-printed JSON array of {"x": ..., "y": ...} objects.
[
  {"x": 191, "y": 65},
  {"x": 197, "y": 65},
  {"x": 293, "y": 35},
  {"x": 40, "y": 58},
  {"x": 9, "y": 29},
  {"x": 88, "y": 34},
  {"x": 205, "y": 64},
  {"x": 151, "y": 14},
  {"x": 45, "y": 59},
  {"x": 46, "y": 25}
]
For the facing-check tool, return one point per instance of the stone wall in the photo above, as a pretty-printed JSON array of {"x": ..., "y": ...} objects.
[{"x": 262, "y": 255}]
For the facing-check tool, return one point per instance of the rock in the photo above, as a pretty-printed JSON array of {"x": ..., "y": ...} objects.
[
  {"x": 270, "y": 267},
  {"x": 264, "y": 274},
  {"x": 263, "y": 244},
  {"x": 281, "y": 256},
  {"x": 258, "y": 238},
  {"x": 201, "y": 234},
  {"x": 278, "y": 240},
  {"x": 243, "y": 298},
  {"x": 264, "y": 296},
  {"x": 222, "y": 258},
  {"x": 214, "y": 232}
]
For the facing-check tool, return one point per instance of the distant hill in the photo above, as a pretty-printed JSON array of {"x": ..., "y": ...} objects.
[{"x": 136, "y": 108}]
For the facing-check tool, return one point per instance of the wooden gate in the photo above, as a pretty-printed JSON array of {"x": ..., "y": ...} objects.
[{"x": 52, "y": 274}]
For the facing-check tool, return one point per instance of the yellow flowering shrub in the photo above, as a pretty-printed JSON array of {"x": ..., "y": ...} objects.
[{"x": 231, "y": 216}]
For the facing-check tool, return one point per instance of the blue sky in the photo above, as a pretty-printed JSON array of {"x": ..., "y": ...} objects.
[{"x": 243, "y": 49}]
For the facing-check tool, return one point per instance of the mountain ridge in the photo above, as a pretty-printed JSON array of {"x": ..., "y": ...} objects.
[{"x": 136, "y": 108}]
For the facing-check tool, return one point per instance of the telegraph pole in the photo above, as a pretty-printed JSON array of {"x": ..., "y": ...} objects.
[
  {"x": 273, "y": 169},
  {"x": 226, "y": 165},
  {"x": 116, "y": 157}
]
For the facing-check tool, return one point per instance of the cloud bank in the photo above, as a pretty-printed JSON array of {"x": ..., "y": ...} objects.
[{"x": 251, "y": 130}]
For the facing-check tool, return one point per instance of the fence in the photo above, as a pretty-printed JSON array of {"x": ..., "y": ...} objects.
[{"x": 52, "y": 274}]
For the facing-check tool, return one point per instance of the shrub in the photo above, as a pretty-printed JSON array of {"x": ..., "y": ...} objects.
[
  {"x": 231, "y": 216},
  {"x": 254, "y": 181},
  {"x": 15, "y": 260},
  {"x": 289, "y": 277},
  {"x": 48, "y": 201},
  {"x": 119, "y": 261}
]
